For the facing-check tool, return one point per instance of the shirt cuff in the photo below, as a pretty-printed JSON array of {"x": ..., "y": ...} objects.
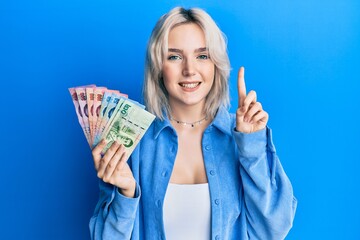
[
  {"x": 126, "y": 207},
  {"x": 251, "y": 144}
]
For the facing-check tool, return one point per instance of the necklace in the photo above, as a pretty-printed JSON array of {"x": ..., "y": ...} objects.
[{"x": 192, "y": 124}]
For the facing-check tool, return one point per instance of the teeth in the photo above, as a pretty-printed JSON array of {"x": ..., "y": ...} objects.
[{"x": 189, "y": 85}]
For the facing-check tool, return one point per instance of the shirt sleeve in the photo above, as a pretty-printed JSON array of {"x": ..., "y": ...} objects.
[
  {"x": 269, "y": 203},
  {"x": 114, "y": 214}
]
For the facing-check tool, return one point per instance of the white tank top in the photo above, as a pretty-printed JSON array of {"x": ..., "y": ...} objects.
[{"x": 187, "y": 212}]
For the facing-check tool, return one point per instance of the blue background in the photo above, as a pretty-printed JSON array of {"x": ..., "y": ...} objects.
[{"x": 302, "y": 58}]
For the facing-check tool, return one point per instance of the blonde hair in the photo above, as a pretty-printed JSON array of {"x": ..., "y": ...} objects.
[{"x": 155, "y": 94}]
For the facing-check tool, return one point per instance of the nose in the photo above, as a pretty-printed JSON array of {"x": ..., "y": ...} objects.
[{"x": 189, "y": 68}]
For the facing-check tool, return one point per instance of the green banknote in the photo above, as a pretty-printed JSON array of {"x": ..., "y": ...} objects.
[{"x": 128, "y": 126}]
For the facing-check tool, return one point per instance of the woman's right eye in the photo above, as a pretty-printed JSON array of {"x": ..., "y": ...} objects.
[{"x": 174, "y": 57}]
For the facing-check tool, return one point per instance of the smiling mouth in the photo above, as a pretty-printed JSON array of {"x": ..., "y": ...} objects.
[{"x": 189, "y": 85}]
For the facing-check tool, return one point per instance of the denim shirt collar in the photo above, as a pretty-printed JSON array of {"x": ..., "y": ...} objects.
[
  {"x": 223, "y": 121},
  {"x": 160, "y": 125}
]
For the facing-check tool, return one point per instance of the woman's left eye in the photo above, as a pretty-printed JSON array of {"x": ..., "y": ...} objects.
[{"x": 203, "y": 56}]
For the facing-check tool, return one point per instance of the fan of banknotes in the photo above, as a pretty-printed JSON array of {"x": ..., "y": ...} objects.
[{"x": 110, "y": 115}]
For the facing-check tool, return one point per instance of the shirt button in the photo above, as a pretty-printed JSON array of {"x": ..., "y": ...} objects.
[
  {"x": 217, "y": 201},
  {"x": 164, "y": 173},
  {"x": 158, "y": 203},
  {"x": 217, "y": 237},
  {"x": 212, "y": 172},
  {"x": 207, "y": 147}
]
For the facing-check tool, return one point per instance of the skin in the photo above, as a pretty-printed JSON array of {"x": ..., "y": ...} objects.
[
  {"x": 187, "y": 62},
  {"x": 112, "y": 167},
  {"x": 250, "y": 116}
]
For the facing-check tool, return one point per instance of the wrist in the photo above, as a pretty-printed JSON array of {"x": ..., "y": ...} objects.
[{"x": 129, "y": 192}]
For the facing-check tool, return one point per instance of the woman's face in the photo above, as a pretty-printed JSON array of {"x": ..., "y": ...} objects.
[{"x": 188, "y": 71}]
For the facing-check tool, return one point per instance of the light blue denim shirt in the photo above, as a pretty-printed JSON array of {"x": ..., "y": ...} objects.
[{"x": 251, "y": 196}]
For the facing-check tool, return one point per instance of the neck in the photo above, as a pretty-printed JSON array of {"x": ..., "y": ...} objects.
[
  {"x": 187, "y": 114},
  {"x": 189, "y": 118},
  {"x": 192, "y": 124}
]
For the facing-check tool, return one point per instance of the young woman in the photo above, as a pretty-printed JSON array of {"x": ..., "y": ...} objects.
[{"x": 199, "y": 172}]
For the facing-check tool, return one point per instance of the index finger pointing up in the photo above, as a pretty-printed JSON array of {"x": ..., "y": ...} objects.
[{"x": 241, "y": 86}]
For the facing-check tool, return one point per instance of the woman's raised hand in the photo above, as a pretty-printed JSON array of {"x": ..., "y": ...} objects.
[
  {"x": 112, "y": 167},
  {"x": 250, "y": 117}
]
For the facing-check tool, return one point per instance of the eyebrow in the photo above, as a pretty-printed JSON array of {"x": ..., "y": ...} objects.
[{"x": 202, "y": 49}]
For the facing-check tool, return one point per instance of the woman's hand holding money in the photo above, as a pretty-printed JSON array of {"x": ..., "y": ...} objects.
[{"x": 112, "y": 167}]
